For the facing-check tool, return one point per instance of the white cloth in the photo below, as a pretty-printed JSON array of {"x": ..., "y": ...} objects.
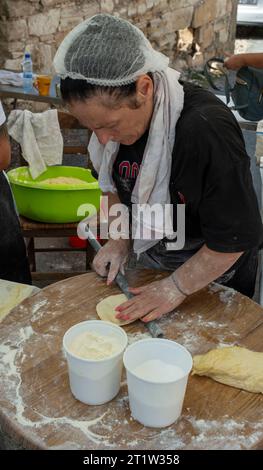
[
  {"x": 2, "y": 115},
  {"x": 11, "y": 78},
  {"x": 39, "y": 136},
  {"x": 152, "y": 184}
]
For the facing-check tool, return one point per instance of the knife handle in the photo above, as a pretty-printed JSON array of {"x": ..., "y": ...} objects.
[{"x": 154, "y": 329}]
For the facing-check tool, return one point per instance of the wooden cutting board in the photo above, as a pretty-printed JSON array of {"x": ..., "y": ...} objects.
[{"x": 38, "y": 410}]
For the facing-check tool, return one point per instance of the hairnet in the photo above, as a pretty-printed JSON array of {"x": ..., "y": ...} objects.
[{"x": 108, "y": 51}]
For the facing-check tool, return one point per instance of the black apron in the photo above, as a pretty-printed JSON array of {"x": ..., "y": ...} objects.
[{"x": 13, "y": 258}]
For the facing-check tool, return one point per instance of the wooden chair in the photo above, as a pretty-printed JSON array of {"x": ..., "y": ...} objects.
[{"x": 32, "y": 230}]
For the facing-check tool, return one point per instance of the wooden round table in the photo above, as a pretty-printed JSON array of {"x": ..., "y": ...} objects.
[{"x": 38, "y": 410}]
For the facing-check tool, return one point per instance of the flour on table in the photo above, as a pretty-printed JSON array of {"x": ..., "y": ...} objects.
[
  {"x": 10, "y": 353},
  {"x": 133, "y": 337},
  {"x": 107, "y": 425},
  {"x": 227, "y": 296},
  {"x": 36, "y": 307},
  {"x": 223, "y": 434}
]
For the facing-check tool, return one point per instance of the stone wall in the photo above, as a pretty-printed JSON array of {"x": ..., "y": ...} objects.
[{"x": 188, "y": 31}]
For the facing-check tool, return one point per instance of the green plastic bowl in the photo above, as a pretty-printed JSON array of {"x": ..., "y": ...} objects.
[{"x": 58, "y": 203}]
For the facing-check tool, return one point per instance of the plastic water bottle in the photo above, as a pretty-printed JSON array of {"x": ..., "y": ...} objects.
[{"x": 27, "y": 72}]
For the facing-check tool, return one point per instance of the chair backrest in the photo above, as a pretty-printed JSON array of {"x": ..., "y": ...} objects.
[{"x": 68, "y": 122}]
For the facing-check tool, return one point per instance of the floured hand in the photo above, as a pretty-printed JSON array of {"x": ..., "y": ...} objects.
[
  {"x": 111, "y": 259},
  {"x": 151, "y": 301}
]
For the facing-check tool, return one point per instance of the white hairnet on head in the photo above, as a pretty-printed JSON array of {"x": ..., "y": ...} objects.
[{"x": 108, "y": 51}]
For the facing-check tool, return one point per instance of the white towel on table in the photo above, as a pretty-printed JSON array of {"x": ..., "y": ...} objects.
[
  {"x": 11, "y": 78},
  {"x": 39, "y": 136},
  {"x": 152, "y": 183}
]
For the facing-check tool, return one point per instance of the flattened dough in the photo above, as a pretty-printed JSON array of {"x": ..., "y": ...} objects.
[
  {"x": 106, "y": 309},
  {"x": 11, "y": 294},
  {"x": 235, "y": 366}
]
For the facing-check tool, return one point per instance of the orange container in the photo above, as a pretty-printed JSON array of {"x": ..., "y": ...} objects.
[{"x": 42, "y": 84}]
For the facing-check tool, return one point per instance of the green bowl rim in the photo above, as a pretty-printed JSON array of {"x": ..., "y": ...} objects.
[{"x": 58, "y": 187}]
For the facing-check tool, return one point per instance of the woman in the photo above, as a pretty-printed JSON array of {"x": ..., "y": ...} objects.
[
  {"x": 156, "y": 141},
  {"x": 13, "y": 260}
]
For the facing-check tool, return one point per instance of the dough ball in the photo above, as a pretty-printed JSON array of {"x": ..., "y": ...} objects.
[
  {"x": 106, "y": 309},
  {"x": 235, "y": 366}
]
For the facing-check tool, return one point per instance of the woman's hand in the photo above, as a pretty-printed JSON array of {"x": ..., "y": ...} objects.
[
  {"x": 111, "y": 258},
  {"x": 151, "y": 301}
]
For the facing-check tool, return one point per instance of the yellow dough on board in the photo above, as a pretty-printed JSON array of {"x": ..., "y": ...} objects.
[
  {"x": 106, "y": 309},
  {"x": 235, "y": 366},
  {"x": 11, "y": 294},
  {"x": 64, "y": 180}
]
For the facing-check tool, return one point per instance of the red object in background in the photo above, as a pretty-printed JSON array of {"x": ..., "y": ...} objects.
[{"x": 76, "y": 242}]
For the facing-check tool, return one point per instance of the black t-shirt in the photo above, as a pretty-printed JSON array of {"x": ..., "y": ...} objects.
[
  {"x": 127, "y": 166},
  {"x": 210, "y": 174}
]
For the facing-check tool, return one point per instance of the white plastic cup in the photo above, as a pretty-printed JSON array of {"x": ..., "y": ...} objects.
[
  {"x": 95, "y": 382},
  {"x": 152, "y": 403}
]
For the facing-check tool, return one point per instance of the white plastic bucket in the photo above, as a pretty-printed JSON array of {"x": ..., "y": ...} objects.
[
  {"x": 157, "y": 403},
  {"x": 95, "y": 381}
]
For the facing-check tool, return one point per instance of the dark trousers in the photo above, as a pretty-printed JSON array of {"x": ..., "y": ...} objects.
[{"x": 13, "y": 258}]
